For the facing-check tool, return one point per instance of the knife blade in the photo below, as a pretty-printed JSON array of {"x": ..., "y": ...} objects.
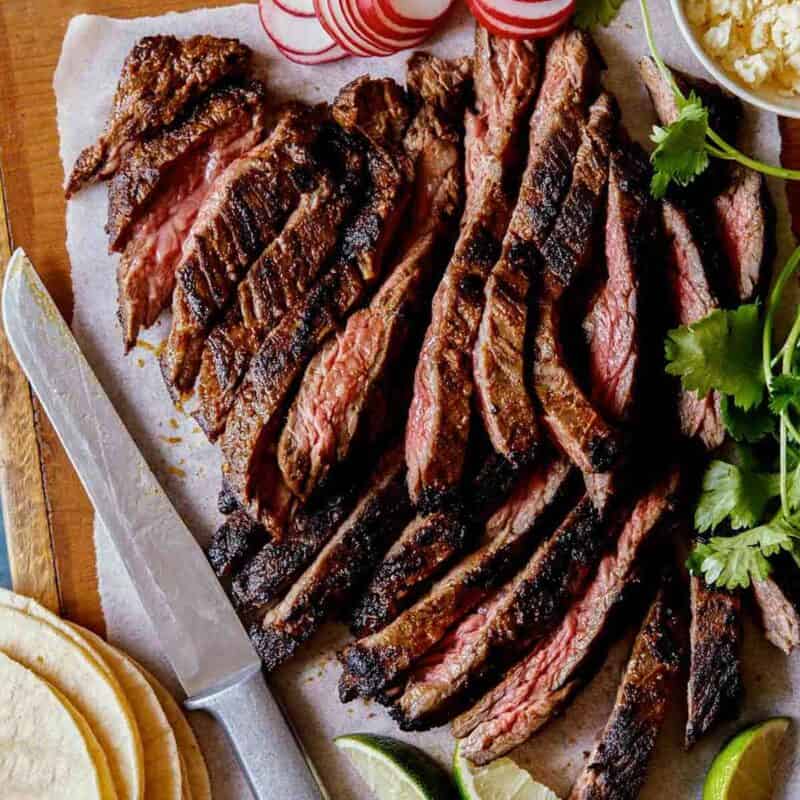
[{"x": 196, "y": 624}]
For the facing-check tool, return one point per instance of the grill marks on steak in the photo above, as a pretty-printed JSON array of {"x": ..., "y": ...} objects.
[
  {"x": 393, "y": 649},
  {"x": 715, "y": 681},
  {"x": 617, "y": 767},
  {"x": 328, "y": 583},
  {"x": 245, "y": 211},
  {"x": 613, "y": 324},
  {"x": 345, "y": 382},
  {"x": 155, "y": 196},
  {"x": 692, "y": 299},
  {"x": 506, "y": 76},
  {"x": 571, "y": 72},
  {"x": 161, "y": 77},
  {"x": 542, "y": 683}
]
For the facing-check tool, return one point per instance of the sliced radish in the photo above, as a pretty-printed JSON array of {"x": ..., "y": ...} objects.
[
  {"x": 332, "y": 17},
  {"x": 335, "y": 53},
  {"x": 378, "y": 21},
  {"x": 524, "y": 12},
  {"x": 293, "y": 34},
  {"x": 357, "y": 20},
  {"x": 297, "y": 8},
  {"x": 530, "y": 30},
  {"x": 414, "y": 12}
]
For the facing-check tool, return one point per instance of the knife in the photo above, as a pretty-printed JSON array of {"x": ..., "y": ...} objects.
[{"x": 199, "y": 631}]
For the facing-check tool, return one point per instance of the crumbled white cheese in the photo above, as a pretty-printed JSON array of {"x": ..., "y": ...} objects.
[{"x": 757, "y": 41}]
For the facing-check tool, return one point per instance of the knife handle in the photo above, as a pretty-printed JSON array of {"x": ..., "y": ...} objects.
[{"x": 267, "y": 749}]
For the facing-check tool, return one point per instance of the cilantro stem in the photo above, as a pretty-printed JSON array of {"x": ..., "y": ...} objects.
[
  {"x": 651, "y": 43},
  {"x": 774, "y": 299},
  {"x": 744, "y": 160}
]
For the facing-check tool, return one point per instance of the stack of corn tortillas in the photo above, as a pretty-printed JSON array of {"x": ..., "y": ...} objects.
[{"x": 79, "y": 719}]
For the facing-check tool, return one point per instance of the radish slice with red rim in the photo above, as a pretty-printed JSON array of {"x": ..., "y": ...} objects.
[
  {"x": 331, "y": 15},
  {"x": 358, "y": 21},
  {"x": 527, "y": 31},
  {"x": 416, "y": 12},
  {"x": 373, "y": 14},
  {"x": 524, "y": 12},
  {"x": 335, "y": 53},
  {"x": 293, "y": 34},
  {"x": 297, "y": 8}
]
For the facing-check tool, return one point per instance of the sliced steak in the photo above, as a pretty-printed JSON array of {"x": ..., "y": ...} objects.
[
  {"x": 266, "y": 576},
  {"x": 234, "y": 542},
  {"x": 506, "y": 77},
  {"x": 246, "y": 210},
  {"x": 778, "y": 603},
  {"x": 571, "y": 75},
  {"x": 692, "y": 300},
  {"x": 617, "y": 767},
  {"x": 347, "y": 379},
  {"x": 328, "y": 584},
  {"x": 523, "y": 612},
  {"x": 156, "y": 195},
  {"x": 507, "y": 535},
  {"x": 613, "y": 324},
  {"x": 160, "y": 78},
  {"x": 542, "y": 683},
  {"x": 715, "y": 680}
]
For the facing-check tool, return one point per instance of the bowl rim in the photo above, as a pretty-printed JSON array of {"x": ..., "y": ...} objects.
[{"x": 720, "y": 75}]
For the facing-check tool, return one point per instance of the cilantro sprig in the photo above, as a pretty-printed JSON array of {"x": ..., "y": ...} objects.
[
  {"x": 683, "y": 148},
  {"x": 591, "y": 13},
  {"x": 760, "y": 394}
]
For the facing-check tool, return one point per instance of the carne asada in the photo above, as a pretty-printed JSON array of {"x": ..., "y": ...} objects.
[
  {"x": 234, "y": 543},
  {"x": 715, "y": 679},
  {"x": 246, "y": 210},
  {"x": 543, "y": 682},
  {"x": 506, "y": 536},
  {"x": 328, "y": 583},
  {"x": 347, "y": 378},
  {"x": 160, "y": 78},
  {"x": 571, "y": 74},
  {"x": 506, "y": 78},
  {"x": 156, "y": 194},
  {"x": 778, "y": 603},
  {"x": 617, "y": 767}
]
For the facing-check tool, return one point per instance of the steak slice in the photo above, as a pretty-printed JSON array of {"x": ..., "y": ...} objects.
[
  {"x": 543, "y": 682},
  {"x": 617, "y": 768},
  {"x": 613, "y": 324},
  {"x": 327, "y": 585},
  {"x": 571, "y": 73},
  {"x": 521, "y": 613},
  {"x": 778, "y": 603},
  {"x": 161, "y": 77},
  {"x": 347, "y": 379},
  {"x": 275, "y": 283},
  {"x": 692, "y": 299},
  {"x": 506, "y": 536},
  {"x": 155, "y": 196},
  {"x": 715, "y": 680},
  {"x": 234, "y": 542},
  {"x": 246, "y": 210},
  {"x": 277, "y": 564},
  {"x": 506, "y": 77}
]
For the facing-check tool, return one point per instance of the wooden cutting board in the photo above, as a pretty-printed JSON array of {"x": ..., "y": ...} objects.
[{"x": 48, "y": 518}]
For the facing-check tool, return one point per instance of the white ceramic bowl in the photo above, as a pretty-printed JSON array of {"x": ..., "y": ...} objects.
[{"x": 763, "y": 98}]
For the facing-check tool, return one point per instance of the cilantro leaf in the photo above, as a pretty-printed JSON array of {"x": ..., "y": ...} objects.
[
  {"x": 722, "y": 352},
  {"x": 734, "y": 493},
  {"x": 784, "y": 393},
  {"x": 680, "y": 153},
  {"x": 591, "y": 13},
  {"x": 734, "y": 561},
  {"x": 747, "y": 426}
]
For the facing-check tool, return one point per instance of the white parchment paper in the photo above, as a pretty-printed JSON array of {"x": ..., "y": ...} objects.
[{"x": 188, "y": 467}]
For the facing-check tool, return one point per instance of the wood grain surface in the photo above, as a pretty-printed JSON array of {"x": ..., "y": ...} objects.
[{"x": 48, "y": 517}]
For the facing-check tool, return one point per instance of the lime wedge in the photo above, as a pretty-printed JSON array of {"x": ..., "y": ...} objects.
[
  {"x": 500, "y": 780},
  {"x": 395, "y": 770},
  {"x": 745, "y": 768}
]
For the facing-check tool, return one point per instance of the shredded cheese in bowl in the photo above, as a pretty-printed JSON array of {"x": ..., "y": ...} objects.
[{"x": 756, "y": 41}]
